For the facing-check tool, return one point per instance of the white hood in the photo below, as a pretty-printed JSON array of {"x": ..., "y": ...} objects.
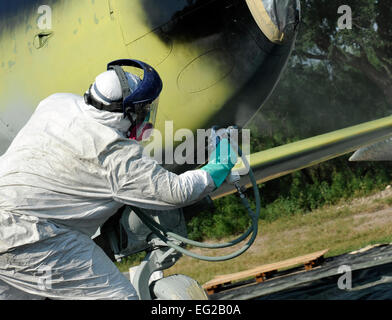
[{"x": 110, "y": 119}]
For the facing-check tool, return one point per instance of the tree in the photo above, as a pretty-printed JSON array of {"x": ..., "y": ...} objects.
[
  {"x": 367, "y": 47},
  {"x": 335, "y": 78}
]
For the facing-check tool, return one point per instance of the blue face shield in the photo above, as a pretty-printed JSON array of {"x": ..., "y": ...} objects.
[{"x": 141, "y": 105}]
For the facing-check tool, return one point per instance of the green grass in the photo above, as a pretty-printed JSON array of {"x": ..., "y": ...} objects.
[
  {"x": 338, "y": 229},
  {"x": 301, "y": 192},
  {"x": 301, "y": 213},
  {"x": 131, "y": 261}
]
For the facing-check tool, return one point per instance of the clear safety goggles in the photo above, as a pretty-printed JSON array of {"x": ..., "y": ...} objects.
[
  {"x": 144, "y": 122},
  {"x": 149, "y": 113}
]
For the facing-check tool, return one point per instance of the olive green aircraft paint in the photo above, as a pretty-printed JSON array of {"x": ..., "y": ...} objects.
[
  {"x": 88, "y": 34},
  {"x": 85, "y": 36},
  {"x": 181, "y": 69},
  {"x": 205, "y": 69},
  {"x": 67, "y": 62}
]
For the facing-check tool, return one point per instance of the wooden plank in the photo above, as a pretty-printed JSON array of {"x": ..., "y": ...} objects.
[{"x": 262, "y": 273}]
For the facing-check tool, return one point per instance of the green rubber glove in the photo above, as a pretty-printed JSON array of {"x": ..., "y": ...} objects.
[{"x": 222, "y": 160}]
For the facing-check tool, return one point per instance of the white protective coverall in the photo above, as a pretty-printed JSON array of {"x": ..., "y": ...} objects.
[{"x": 67, "y": 171}]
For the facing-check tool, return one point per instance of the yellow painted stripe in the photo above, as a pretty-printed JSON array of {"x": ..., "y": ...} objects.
[
  {"x": 271, "y": 155},
  {"x": 276, "y": 162},
  {"x": 264, "y": 21}
]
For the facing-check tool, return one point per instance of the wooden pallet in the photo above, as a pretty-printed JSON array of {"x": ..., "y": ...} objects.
[{"x": 262, "y": 273}]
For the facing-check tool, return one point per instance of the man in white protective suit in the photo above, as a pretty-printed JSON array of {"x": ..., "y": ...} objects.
[{"x": 74, "y": 164}]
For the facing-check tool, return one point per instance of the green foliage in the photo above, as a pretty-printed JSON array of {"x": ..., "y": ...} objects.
[
  {"x": 310, "y": 101},
  {"x": 367, "y": 47},
  {"x": 326, "y": 184},
  {"x": 230, "y": 218},
  {"x": 130, "y": 261},
  {"x": 297, "y": 193}
]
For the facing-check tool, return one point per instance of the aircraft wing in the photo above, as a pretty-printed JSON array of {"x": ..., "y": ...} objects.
[{"x": 276, "y": 162}]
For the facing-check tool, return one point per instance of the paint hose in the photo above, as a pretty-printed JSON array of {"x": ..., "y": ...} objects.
[{"x": 163, "y": 233}]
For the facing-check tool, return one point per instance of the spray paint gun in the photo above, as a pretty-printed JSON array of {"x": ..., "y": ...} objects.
[
  {"x": 216, "y": 135},
  {"x": 167, "y": 236}
]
